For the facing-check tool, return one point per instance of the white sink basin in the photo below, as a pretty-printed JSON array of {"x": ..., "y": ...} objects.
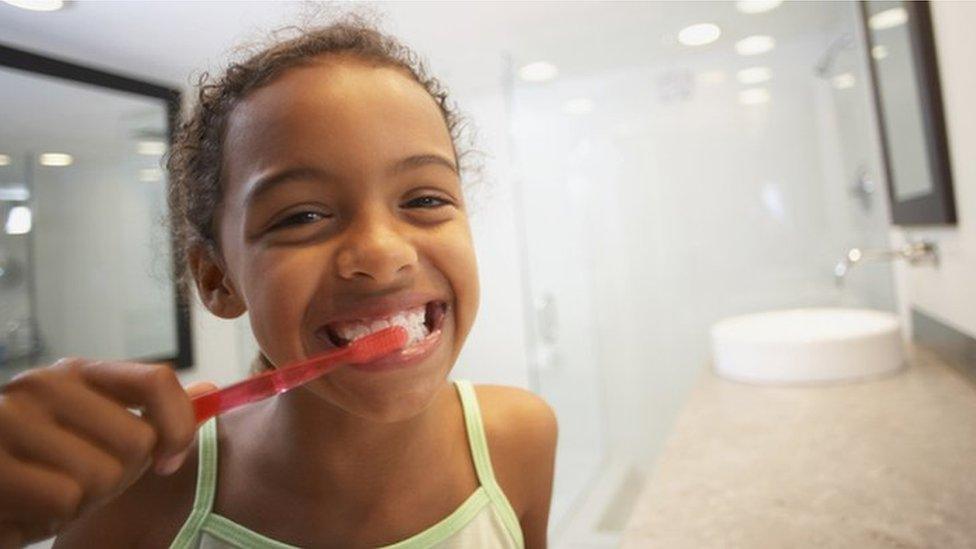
[{"x": 807, "y": 345}]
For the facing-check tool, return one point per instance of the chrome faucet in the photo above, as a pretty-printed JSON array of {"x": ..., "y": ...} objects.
[{"x": 915, "y": 253}]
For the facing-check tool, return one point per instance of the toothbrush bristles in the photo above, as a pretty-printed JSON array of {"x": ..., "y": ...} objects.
[{"x": 377, "y": 344}]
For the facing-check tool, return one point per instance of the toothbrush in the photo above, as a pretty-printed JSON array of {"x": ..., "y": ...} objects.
[{"x": 365, "y": 349}]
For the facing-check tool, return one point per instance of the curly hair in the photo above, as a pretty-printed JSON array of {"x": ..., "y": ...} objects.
[{"x": 194, "y": 161}]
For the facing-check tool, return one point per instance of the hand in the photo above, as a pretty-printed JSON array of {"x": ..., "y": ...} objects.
[{"x": 69, "y": 442}]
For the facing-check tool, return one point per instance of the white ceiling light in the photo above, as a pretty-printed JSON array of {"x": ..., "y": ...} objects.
[
  {"x": 18, "y": 220},
  {"x": 888, "y": 18},
  {"x": 149, "y": 175},
  {"x": 37, "y": 5},
  {"x": 151, "y": 148},
  {"x": 56, "y": 159},
  {"x": 700, "y": 34},
  {"x": 755, "y": 45},
  {"x": 580, "y": 105},
  {"x": 540, "y": 71},
  {"x": 757, "y": 6},
  {"x": 843, "y": 81},
  {"x": 879, "y": 52},
  {"x": 4, "y": 160},
  {"x": 18, "y": 194},
  {"x": 710, "y": 77},
  {"x": 754, "y": 75},
  {"x": 754, "y": 96}
]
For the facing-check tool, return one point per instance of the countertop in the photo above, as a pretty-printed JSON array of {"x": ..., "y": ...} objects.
[{"x": 889, "y": 462}]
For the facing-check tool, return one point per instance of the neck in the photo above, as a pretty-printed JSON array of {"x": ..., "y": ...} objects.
[{"x": 321, "y": 449}]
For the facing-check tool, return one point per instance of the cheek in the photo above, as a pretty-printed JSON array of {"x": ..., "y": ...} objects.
[
  {"x": 278, "y": 288},
  {"x": 459, "y": 264}
]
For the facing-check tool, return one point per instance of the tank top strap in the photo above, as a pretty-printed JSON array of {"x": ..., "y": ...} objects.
[
  {"x": 206, "y": 485},
  {"x": 478, "y": 442}
]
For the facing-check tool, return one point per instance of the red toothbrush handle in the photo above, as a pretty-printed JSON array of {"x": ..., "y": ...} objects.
[
  {"x": 274, "y": 382},
  {"x": 261, "y": 386},
  {"x": 206, "y": 406}
]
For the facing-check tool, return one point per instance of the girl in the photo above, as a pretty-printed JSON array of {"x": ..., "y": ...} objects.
[{"x": 316, "y": 187}]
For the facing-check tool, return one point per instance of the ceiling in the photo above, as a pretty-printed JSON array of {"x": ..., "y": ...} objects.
[
  {"x": 467, "y": 44},
  {"x": 167, "y": 41}
]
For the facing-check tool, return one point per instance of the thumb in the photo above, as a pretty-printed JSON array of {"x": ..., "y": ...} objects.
[
  {"x": 172, "y": 463},
  {"x": 198, "y": 388}
]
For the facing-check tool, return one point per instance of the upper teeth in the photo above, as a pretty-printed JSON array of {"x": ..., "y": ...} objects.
[{"x": 411, "y": 320}]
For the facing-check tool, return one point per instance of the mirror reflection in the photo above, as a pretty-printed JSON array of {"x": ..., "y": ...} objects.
[
  {"x": 85, "y": 262},
  {"x": 901, "y": 103}
]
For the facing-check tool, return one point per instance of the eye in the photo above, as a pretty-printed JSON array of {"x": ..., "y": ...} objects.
[
  {"x": 426, "y": 201},
  {"x": 300, "y": 218}
]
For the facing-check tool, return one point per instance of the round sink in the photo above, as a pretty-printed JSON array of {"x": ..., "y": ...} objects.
[{"x": 807, "y": 345}]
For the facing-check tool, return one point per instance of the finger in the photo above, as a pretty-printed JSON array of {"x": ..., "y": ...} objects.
[
  {"x": 156, "y": 389},
  {"x": 44, "y": 497},
  {"x": 104, "y": 422},
  {"x": 12, "y": 536},
  {"x": 199, "y": 388},
  {"x": 99, "y": 473},
  {"x": 171, "y": 464}
]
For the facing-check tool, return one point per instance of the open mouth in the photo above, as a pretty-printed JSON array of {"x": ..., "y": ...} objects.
[{"x": 419, "y": 322}]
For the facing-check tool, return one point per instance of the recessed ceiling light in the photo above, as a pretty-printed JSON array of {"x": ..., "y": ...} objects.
[
  {"x": 56, "y": 159},
  {"x": 757, "y": 6},
  {"x": 149, "y": 175},
  {"x": 699, "y": 35},
  {"x": 4, "y": 160},
  {"x": 888, "y": 18},
  {"x": 755, "y": 45},
  {"x": 754, "y": 96},
  {"x": 18, "y": 220},
  {"x": 14, "y": 193},
  {"x": 754, "y": 75},
  {"x": 879, "y": 52},
  {"x": 37, "y": 5},
  {"x": 843, "y": 81},
  {"x": 151, "y": 148},
  {"x": 710, "y": 77},
  {"x": 579, "y": 105},
  {"x": 540, "y": 71}
]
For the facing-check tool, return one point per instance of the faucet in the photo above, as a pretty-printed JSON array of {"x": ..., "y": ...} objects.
[{"x": 914, "y": 252}]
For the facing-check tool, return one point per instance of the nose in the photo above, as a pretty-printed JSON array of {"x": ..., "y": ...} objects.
[{"x": 375, "y": 249}]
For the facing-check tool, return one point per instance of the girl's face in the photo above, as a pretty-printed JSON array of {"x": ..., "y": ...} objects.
[{"x": 342, "y": 202}]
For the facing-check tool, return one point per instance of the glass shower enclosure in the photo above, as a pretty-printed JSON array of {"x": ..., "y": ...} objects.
[{"x": 662, "y": 187}]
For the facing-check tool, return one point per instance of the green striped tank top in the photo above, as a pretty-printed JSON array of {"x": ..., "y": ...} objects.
[{"x": 485, "y": 520}]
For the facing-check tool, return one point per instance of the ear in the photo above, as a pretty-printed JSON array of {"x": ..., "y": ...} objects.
[{"x": 215, "y": 287}]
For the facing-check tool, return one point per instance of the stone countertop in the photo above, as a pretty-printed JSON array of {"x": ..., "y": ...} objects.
[{"x": 883, "y": 463}]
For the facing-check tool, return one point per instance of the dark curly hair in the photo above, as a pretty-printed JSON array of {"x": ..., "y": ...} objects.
[{"x": 194, "y": 161}]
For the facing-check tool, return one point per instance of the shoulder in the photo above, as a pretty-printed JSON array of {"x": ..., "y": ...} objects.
[
  {"x": 516, "y": 415},
  {"x": 149, "y": 513},
  {"x": 521, "y": 429}
]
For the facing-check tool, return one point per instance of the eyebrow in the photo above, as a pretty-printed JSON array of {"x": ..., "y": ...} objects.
[
  {"x": 419, "y": 160},
  {"x": 310, "y": 172}
]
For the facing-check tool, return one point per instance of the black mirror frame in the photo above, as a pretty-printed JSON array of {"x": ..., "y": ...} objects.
[
  {"x": 938, "y": 206},
  {"x": 18, "y": 59}
]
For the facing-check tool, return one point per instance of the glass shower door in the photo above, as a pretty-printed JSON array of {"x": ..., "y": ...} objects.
[{"x": 663, "y": 192}]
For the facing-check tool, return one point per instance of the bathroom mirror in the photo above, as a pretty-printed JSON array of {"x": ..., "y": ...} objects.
[
  {"x": 86, "y": 261},
  {"x": 908, "y": 97}
]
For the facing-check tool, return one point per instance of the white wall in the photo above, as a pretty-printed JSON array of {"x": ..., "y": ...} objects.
[{"x": 949, "y": 291}]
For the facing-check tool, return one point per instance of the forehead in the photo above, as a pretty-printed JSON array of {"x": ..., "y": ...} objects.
[{"x": 349, "y": 114}]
